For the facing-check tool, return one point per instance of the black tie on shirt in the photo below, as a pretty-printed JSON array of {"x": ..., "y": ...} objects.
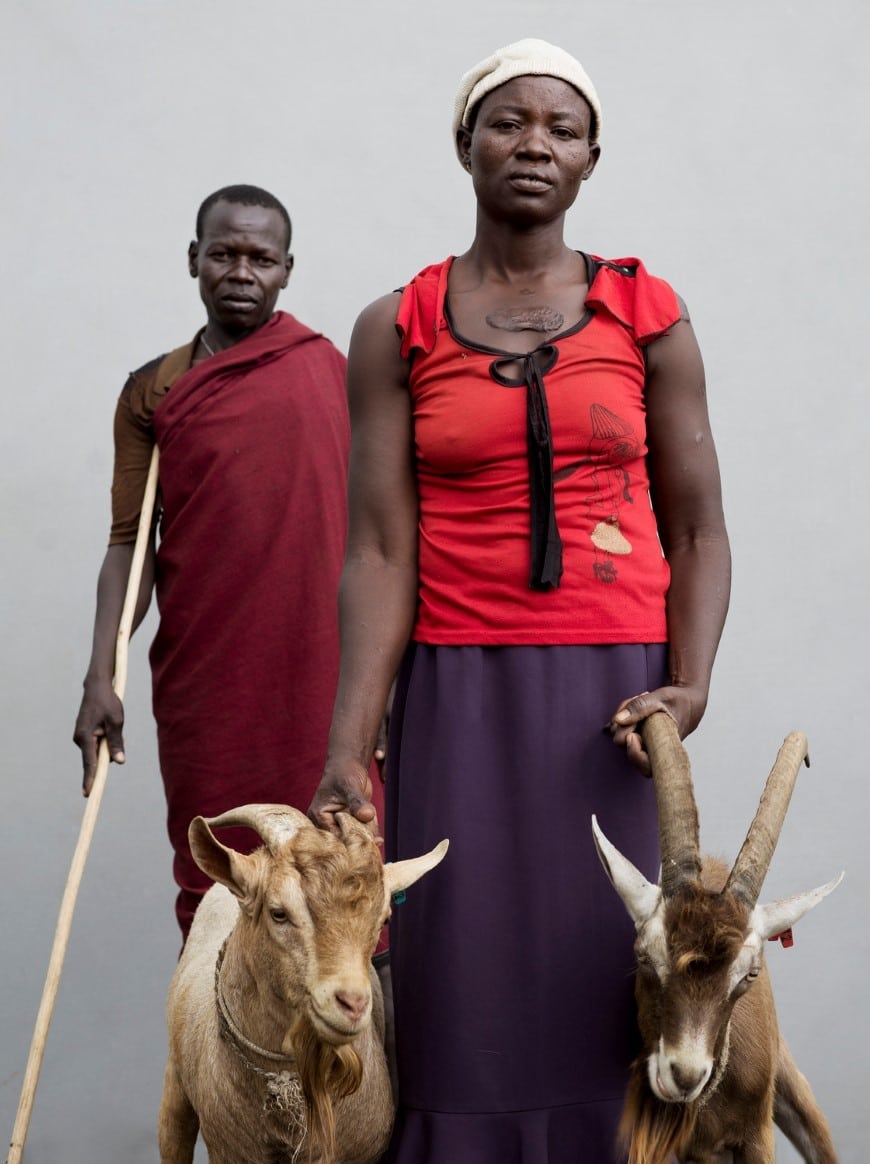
[{"x": 546, "y": 544}]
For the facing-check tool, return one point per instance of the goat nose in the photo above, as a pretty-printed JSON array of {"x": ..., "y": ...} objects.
[
  {"x": 687, "y": 1078},
  {"x": 353, "y": 1003}
]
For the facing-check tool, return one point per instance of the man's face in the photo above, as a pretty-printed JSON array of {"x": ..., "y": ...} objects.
[{"x": 241, "y": 263}]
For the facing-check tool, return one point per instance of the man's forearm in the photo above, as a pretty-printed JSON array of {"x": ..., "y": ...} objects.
[{"x": 111, "y": 591}]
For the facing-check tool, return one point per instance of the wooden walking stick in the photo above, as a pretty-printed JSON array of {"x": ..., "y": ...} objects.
[{"x": 64, "y": 922}]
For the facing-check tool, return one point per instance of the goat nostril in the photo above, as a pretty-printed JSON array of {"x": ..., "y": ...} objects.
[
  {"x": 352, "y": 1002},
  {"x": 686, "y": 1078}
]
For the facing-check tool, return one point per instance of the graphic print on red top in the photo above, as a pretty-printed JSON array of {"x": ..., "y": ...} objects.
[
  {"x": 612, "y": 445},
  {"x": 470, "y": 411}
]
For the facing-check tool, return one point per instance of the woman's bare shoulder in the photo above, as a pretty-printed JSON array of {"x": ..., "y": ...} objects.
[
  {"x": 375, "y": 345},
  {"x": 380, "y": 313}
]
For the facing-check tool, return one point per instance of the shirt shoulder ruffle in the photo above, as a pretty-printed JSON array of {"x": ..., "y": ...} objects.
[
  {"x": 646, "y": 305},
  {"x": 421, "y": 309}
]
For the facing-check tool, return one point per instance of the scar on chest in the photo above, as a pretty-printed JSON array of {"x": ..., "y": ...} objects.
[{"x": 526, "y": 319}]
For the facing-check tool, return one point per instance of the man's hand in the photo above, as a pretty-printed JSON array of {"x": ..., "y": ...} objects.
[
  {"x": 348, "y": 790},
  {"x": 685, "y": 706},
  {"x": 101, "y": 716}
]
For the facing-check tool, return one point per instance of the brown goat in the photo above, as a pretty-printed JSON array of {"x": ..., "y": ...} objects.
[
  {"x": 715, "y": 1073},
  {"x": 275, "y": 1013}
]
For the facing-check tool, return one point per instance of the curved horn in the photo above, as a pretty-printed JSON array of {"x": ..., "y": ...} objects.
[
  {"x": 675, "y": 797},
  {"x": 274, "y": 823},
  {"x": 753, "y": 860}
]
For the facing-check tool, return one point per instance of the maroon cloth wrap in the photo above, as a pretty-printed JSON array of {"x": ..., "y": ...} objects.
[{"x": 253, "y": 469}]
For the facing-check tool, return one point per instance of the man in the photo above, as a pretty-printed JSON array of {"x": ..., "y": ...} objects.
[{"x": 251, "y": 421}]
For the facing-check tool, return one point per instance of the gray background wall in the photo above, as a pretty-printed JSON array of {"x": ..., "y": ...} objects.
[{"x": 735, "y": 162}]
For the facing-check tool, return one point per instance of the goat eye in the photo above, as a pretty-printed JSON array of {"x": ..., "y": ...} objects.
[
  {"x": 278, "y": 916},
  {"x": 746, "y": 981}
]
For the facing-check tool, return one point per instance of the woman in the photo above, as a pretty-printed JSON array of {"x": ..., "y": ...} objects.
[{"x": 513, "y": 411}]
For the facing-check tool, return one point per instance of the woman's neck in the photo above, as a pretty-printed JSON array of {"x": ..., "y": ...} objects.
[{"x": 508, "y": 254}]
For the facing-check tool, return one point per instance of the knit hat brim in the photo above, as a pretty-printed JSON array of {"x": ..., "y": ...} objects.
[{"x": 530, "y": 57}]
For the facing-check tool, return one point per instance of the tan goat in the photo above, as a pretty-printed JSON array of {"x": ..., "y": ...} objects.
[
  {"x": 715, "y": 1073},
  {"x": 275, "y": 1013}
]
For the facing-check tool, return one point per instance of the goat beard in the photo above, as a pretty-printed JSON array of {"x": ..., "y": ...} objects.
[
  {"x": 328, "y": 1074},
  {"x": 651, "y": 1131}
]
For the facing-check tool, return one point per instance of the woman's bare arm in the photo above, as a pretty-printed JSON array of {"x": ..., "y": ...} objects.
[{"x": 378, "y": 592}]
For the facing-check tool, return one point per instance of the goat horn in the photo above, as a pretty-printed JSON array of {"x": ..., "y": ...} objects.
[
  {"x": 678, "y": 814},
  {"x": 753, "y": 860},
  {"x": 274, "y": 823}
]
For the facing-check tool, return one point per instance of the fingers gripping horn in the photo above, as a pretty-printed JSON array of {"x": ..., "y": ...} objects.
[
  {"x": 675, "y": 797},
  {"x": 753, "y": 860}
]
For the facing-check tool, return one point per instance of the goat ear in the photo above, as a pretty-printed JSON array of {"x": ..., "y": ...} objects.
[
  {"x": 232, "y": 869},
  {"x": 639, "y": 896},
  {"x": 777, "y": 916},
  {"x": 400, "y": 874}
]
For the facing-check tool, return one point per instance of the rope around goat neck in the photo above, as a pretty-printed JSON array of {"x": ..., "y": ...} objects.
[
  {"x": 283, "y": 1088},
  {"x": 227, "y": 1023},
  {"x": 718, "y": 1072}
]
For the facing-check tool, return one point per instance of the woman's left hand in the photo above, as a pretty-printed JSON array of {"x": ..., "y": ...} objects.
[{"x": 685, "y": 706}]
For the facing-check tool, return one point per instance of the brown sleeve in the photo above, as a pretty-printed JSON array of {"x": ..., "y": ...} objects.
[
  {"x": 134, "y": 440},
  {"x": 134, "y": 437}
]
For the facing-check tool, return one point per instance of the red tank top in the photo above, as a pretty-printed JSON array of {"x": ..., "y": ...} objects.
[{"x": 471, "y": 412}]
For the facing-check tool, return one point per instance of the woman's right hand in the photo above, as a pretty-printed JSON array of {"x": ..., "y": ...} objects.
[
  {"x": 101, "y": 716},
  {"x": 346, "y": 788}
]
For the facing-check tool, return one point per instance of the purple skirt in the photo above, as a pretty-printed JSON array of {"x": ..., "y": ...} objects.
[{"x": 512, "y": 961}]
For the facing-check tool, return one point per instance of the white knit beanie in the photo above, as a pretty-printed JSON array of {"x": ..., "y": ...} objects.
[{"x": 525, "y": 58}]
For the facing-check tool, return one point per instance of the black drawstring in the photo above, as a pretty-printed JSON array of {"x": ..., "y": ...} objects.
[{"x": 545, "y": 542}]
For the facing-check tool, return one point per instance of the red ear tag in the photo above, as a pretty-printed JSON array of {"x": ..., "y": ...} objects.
[{"x": 786, "y": 937}]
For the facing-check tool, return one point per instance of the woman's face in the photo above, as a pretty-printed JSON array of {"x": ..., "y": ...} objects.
[{"x": 529, "y": 149}]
